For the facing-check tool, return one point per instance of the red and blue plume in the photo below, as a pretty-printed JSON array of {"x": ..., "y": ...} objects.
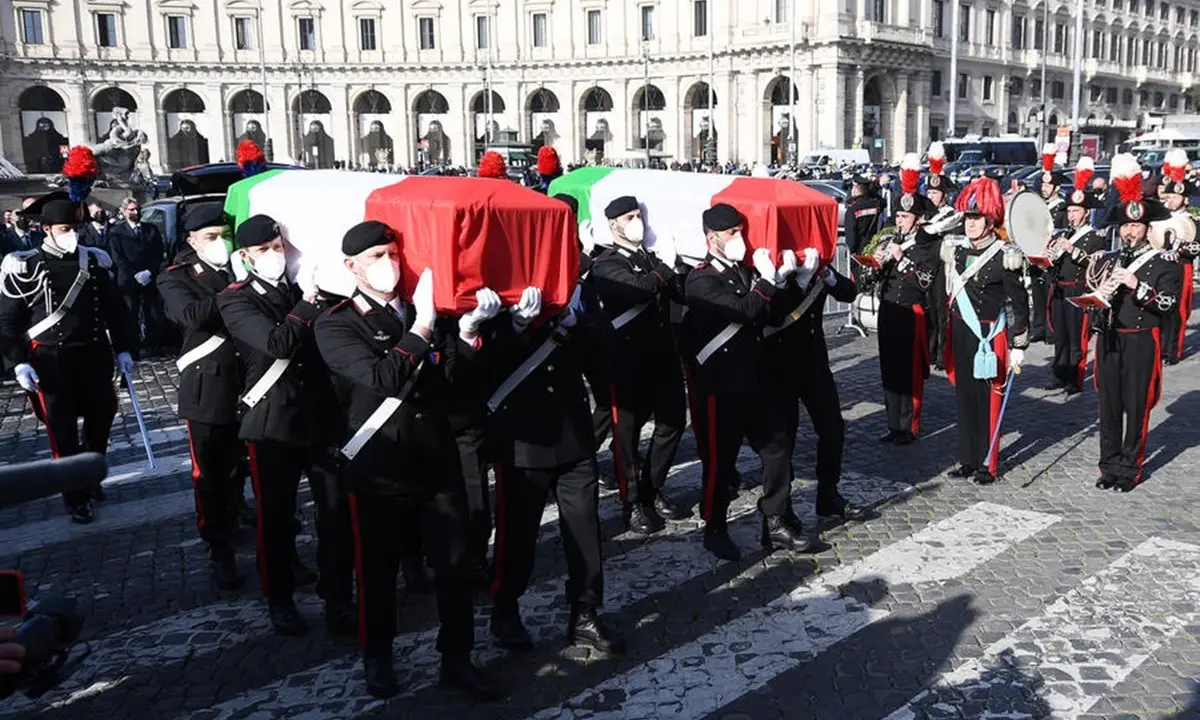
[
  {"x": 250, "y": 158},
  {"x": 937, "y": 158},
  {"x": 910, "y": 173},
  {"x": 982, "y": 195},
  {"x": 81, "y": 171},
  {"x": 1126, "y": 176},
  {"x": 1175, "y": 165},
  {"x": 1049, "y": 153},
  {"x": 548, "y": 163},
  {"x": 491, "y": 165},
  {"x": 1084, "y": 170}
]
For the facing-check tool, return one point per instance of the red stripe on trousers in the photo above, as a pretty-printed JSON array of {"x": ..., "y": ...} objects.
[
  {"x": 498, "y": 558},
  {"x": 948, "y": 352},
  {"x": 195, "y": 477},
  {"x": 252, "y": 452},
  {"x": 356, "y": 528},
  {"x": 623, "y": 488},
  {"x": 920, "y": 364},
  {"x": 1152, "y": 396},
  {"x": 1081, "y": 372},
  {"x": 711, "y": 472},
  {"x": 1185, "y": 307},
  {"x": 1000, "y": 347}
]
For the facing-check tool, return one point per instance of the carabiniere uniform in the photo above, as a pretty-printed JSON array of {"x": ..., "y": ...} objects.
[
  {"x": 935, "y": 300},
  {"x": 1072, "y": 332},
  {"x": 61, "y": 313},
  {"x": 1042, "y": 280},
  {"x": 1174, "y": 326}
]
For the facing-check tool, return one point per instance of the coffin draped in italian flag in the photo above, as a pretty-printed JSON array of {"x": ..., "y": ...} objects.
[
  {"x": 780, "y": 214},
  {"x": 471, "y": 232}
]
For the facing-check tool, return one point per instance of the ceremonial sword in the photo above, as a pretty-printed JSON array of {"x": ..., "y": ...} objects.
[
  {"x": 137, "y": 410},
  {"x": 993, "y": 447}
]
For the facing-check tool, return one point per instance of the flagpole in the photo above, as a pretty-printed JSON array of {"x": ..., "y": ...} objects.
[
  {"x": 262, "y": 67},
  {"x": 1078, "y": 80},
  {"x": 790, "y": 149},
  {"x": 953, "y": 120},
  {"x": 712, "y": 93}
]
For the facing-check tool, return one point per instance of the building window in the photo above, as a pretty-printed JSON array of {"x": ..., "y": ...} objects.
[
  {"x": 1133, "y": 6},
  {"x": 307, "y": 27},
  {"x": 1097, "y": 44},
  {"x": 1110, "y": 96},
  {"x": 987, "y": 88},
  {"x": 991, "y": 27},
  {"x": 1191, "y": 63},
  {"x": 1127, "y": 97},
  {"x": 243, "y": 36},
  {"x": 1016, "y": 86},
  {"x": 594, "y": 27},
  {"x": 425, "y": 30},
  {"x": 783, "y": 11},
  {"x": 647, "y": 22},
  {"x": 1060, "y": 38},
  {"x": 1158, "y": 99},
  {"x": 1018, "y": 32},
  {"x": 1039, "y": 34},
  {"x": 106, "y": 30},
  {"x": 1035, "y": 88},
  {"x": 1162, "y": 55},
  {"x": 483, "y": 27},
  {"x": 700, "y": 18},
  {"x": 879, "y": 11},
  {"x": 1179, "y": 15},
  {"x": 1194, "y": 18},
  {"x": 939, "y": 18},
  {"x": 366, "y": 34},
  {"x": 935, "y": 83},
  {"x": 1146, "y": 50},
  {"x": 1058, "y": 90},
  {"x": 541, "y": 30},
  {"x": 1095, "y": 93},
  {"x": 31, "y": 27},
  {"x": 1164, "y": 12},
  {"x": 964, "y": 86},
  {"x": 964, "y": 23},
  {"x": 1114, "y": 47},
  {"x": 1118, "y": 4},
  {"x": 1173, "y": 102},
  {"x": 177, "y": 32}
]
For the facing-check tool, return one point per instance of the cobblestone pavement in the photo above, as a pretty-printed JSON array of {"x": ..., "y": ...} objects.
[{"x": 1040, "y": 596}]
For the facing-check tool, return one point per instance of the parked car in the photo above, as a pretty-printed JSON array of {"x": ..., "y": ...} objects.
[
  {"x": 833, "y": 191},
  {"x": 200, "y": 179}
]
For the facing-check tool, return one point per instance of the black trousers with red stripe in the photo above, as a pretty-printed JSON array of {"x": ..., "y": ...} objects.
[
  {"x": 903, "y": 363},
  {"x": 1174, "y": 325},
  {"x": 215, "y": 451},
  {"x": 75, "y": 384},
  {"x": 1070, "y": 337},
  {"x": 725, "y": 420},
  {"x": 601, "y": 389},
  {"x": 380, "y": 546},
  {"x": 1129, "y": 382},
  {"x": 335, "y": 533},
  {"x": 520, "y": 499},
  {"x": 818, "y": 391},
  {"x": 633, "y": 403},
  {"x": 479, "y": 504},
  {"x": 978, "y": 401}
]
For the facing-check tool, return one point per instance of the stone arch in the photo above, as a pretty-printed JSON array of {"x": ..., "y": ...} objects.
[
  {"x": 699, "y": 120},
  {"x": 483, "y": 132},
  {"x": 186, "y": 129},
  {"x": 542, "y": 117},
  {"x": 43, "y": 129},
  {"x": 878, "y": 117},
  {"x": 104, "y": 102},
  {"x": 596, "y": 116},
  {"x": 778, "y": 125},
  {"x": 312, "y": 119},
  {"x": 430, "y": 111},
  {"x": 374, "y": 145},
  {"x": 648, "y": 117},
  {"x": 247, "y": 117}
]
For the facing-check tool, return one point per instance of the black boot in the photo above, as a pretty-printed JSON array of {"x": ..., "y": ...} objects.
[
  {"x": 962, "y": 471},
  {"x": 380, "y": 676},
  {"x": 341, "y": 618},
  {"x": 587, "y": 628},
  {"x": 983, "y": 477},
  {"x": 1106, "y": 481},
  {"x": 301, "y": 575},
  {"x": 416, "y": 577},
  {"x": 82, "y": 514},
  {"x": 669, "y": 510},
  {"x": 639, "y": 521},
  {"x": 97, "y": 493},
  {"x": 225, "y": 573},
  {"x": 889, "y": 436},
  {"x": 607, "y": 481},
  {"x": 1125, "y": 484},
  {"x": 839, "y": 507},
  {"x": 904, "y": 438},
  {"x": 780, "y": 532},
  {"x": 509, "y": 631},
  {"x": 718, "y": 542},
  {"x": 287, "y": 620},
  {"x": 460, "y": 674}
]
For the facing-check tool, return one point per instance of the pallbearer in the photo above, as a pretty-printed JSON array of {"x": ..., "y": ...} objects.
[
  {"x": 1070, "y": 252},
  {"x": 985, "y": 276},
  {"x": 1176, "y": 190},
  {"x": 908, "y": 263},
  {"x": 1142, "y": 289}
]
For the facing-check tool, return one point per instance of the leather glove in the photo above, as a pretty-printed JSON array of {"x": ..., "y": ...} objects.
[
  {"x": 763, "y": 265},
  {"x": 142, "y": 277},
  {"x": 1016, "y": 358},
  {"x": 423, "y": 300},
  {"x": 528, "y": 307},
  {"x": 487, "y": 306},
  {"x": 27, "y": 377},
  {"x": 124, "y": 362},
  {"x": 787, "y": 267}
]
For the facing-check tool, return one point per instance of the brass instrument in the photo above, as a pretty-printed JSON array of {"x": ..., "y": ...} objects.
[
  {"x": 1172, "y": 233},
  {"x": 1100, "y": 282}
]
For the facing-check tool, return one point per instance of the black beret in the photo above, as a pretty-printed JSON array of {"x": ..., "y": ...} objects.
[
  {"x": 570, "y": 201},
  {"x": 61, "y": 212},
  {"x": 204, "y": 216},
  {"x": 256, "y": 231},
  {"x": 722, "y": 217},
  {"x": 621, "y": 206},
  {"x": 365, "y": 236}
]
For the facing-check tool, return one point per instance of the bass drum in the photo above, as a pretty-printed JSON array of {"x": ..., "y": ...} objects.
[{"x": 1029, "y": 223}]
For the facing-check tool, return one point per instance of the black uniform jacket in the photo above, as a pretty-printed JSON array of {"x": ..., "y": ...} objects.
[
  {"x": 995, "y": 286},
  {"x": 798, "y": 351},
  {"x": 625, "y": 279},
  {"x": 366, "y": 344},
  {"x": 97, "y": 308},
  {"x": 864, "y": 217},
  {"x": 270, "y": 323},
  {"x": 209, "y": 387},
  {"x": 1160, "y": 282},
  {"x": 546, "y": 421},
  {"x": 1058, "y": 210},
  {"x": 907, "y": 281},
  {"x": 135, "y": 249},
  {"x": 1071, "y": 267},
  {"x": 718, "y": 294}
]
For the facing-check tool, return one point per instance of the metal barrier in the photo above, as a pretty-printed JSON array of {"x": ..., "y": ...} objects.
[{"x": 835, "y": 311}]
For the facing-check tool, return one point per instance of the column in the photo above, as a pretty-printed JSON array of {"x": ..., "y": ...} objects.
[
  {"x": 920, "y": 96},
  {"x": 806, "y": 110},
  {"x": 860, "y": 10},
  {"x": 279, "y": 126},
  {"x": 899, "y": 139},
  {"x": 573, "y": 148},
  {"x": 679, "y": 142},
  {"x": 339, "y": 110},
  {"x": 725, "y": 118},
  {"x": 79, "y": 114},
  {"x": 860, "y": 82},
  {"x": 150, "y": 119},
  {"x": 903, "y": 13},
  {"x": 218, "y": 124}
]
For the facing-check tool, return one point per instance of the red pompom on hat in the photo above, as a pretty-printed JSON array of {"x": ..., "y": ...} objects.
[
  {"x": 910, "y": 173},
  {"x": 548, "y": 163},
  {"x": 982, "y": 197},
  {"x": 1049, "y": 153},
  {"x": 249, "y": 152},
  {"x": 1085, "y": 169},
  {"x": 491, "y": 165},
  {"x": 81, "y": 164},
  {"x": 937, "y": 158},
  {"x": 1126, "y": 175},
  {"x": 1175, "y": 165}
]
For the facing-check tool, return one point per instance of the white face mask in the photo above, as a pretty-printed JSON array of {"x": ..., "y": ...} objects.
[
  {"x": 215, "y": 253},
  {"x": 67, "y": 242},
  {"x": 383, "y": 274},
  {"x": 270, "y": 265},
  {"x": 635, "y": 230},
  {"x": 735, "y": 249}
]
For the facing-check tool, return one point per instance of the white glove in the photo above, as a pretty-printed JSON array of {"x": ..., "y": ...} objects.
[
  {"x": 787, "y": 268},
  {"x": 487, "y": 306},
  {"x": 1016, "y": 358},
  {"x": 124, "y": 362},
  {"x": 762, "y": 263},
  {"x": 664, "y": 248},
  {"x": 306, "y": 280},
  {"x": 27, "y": 377},
  {"x": 528, "y": 307},
  {"x": 423, "y": 300},
  {"x": 805, "y": 273},
  {"x": 238, "y": 265},
  {"x": 142, "y": 277}
]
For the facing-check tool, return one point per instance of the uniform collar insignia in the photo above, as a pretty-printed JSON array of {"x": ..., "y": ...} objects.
[
  {"x": 258, "y": 287},
  {"x": 363, "y": 304},
  {"x": 199, "y": 268}
]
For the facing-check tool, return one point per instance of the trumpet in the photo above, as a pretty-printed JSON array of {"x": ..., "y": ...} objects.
[
  {"x": 1102, "y": 285},
  {"x": 946, "y": 219}
]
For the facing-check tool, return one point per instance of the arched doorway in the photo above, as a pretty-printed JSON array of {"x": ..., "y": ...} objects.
[
  {"x": 485, "y": 127},
  {"x": 872, "y": 129},
  {"x": 107, "y": 105},
  {"x": 543, "y": 112},
  {"x": 783, "y": 133},
  {"x": 43, "y": 122},
  {"x": 698, "y": 105},
  {"x": 187, "y": 134},
  {"x": 1014, "y": 123},
  {"x": 430, "y": 111},
  {"x": 649, "y": 116},
  {"x": 374, "y": 147},
  {"x": 248, "y": 117},
  {"x": 596, "y": 107},
  {"x": 312, "y": 116}
]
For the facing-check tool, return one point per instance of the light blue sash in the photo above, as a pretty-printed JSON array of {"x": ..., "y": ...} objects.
[{"x": 986, "y": 362}]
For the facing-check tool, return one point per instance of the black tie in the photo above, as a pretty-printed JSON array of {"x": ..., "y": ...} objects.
[{"x": 396, "y": 313}]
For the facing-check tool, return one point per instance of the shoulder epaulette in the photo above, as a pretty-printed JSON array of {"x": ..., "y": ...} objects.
[
  {"x": 173, "y": 268},
  {"x": 235, "y": 286}
]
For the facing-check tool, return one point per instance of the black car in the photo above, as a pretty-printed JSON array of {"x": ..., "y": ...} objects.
[{"x": 203, "y": 179}]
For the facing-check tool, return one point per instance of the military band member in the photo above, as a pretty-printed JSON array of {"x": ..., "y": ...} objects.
[
  {"x": 908, "y": 264},
  {"x": 210, "y": 383},
  {"x": 285, "y": 406},
  {"x": 1176, "y": 190},
  {"x": 1070, "y": 252},
  {"x": 635, "y": 289},
  {"x": 943, "y": 221},
  {"x": 985, "y": 276},
  {"x": 404, "y": 467},
  {"x": 61, "y": 320},
  {"x": 735, "y": 395},
  {"x": 1142, "y": 289},
  {"x": 1051, "y": 190}
]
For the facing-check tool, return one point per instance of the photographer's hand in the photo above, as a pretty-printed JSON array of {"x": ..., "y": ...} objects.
[{"x": 10, "y": 653}]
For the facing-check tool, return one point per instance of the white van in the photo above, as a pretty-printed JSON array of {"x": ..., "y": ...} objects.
[{"x": 838, "y": 156}]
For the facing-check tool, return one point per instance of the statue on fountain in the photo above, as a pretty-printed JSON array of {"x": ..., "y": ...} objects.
[{"x": 118, "y": 152}]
